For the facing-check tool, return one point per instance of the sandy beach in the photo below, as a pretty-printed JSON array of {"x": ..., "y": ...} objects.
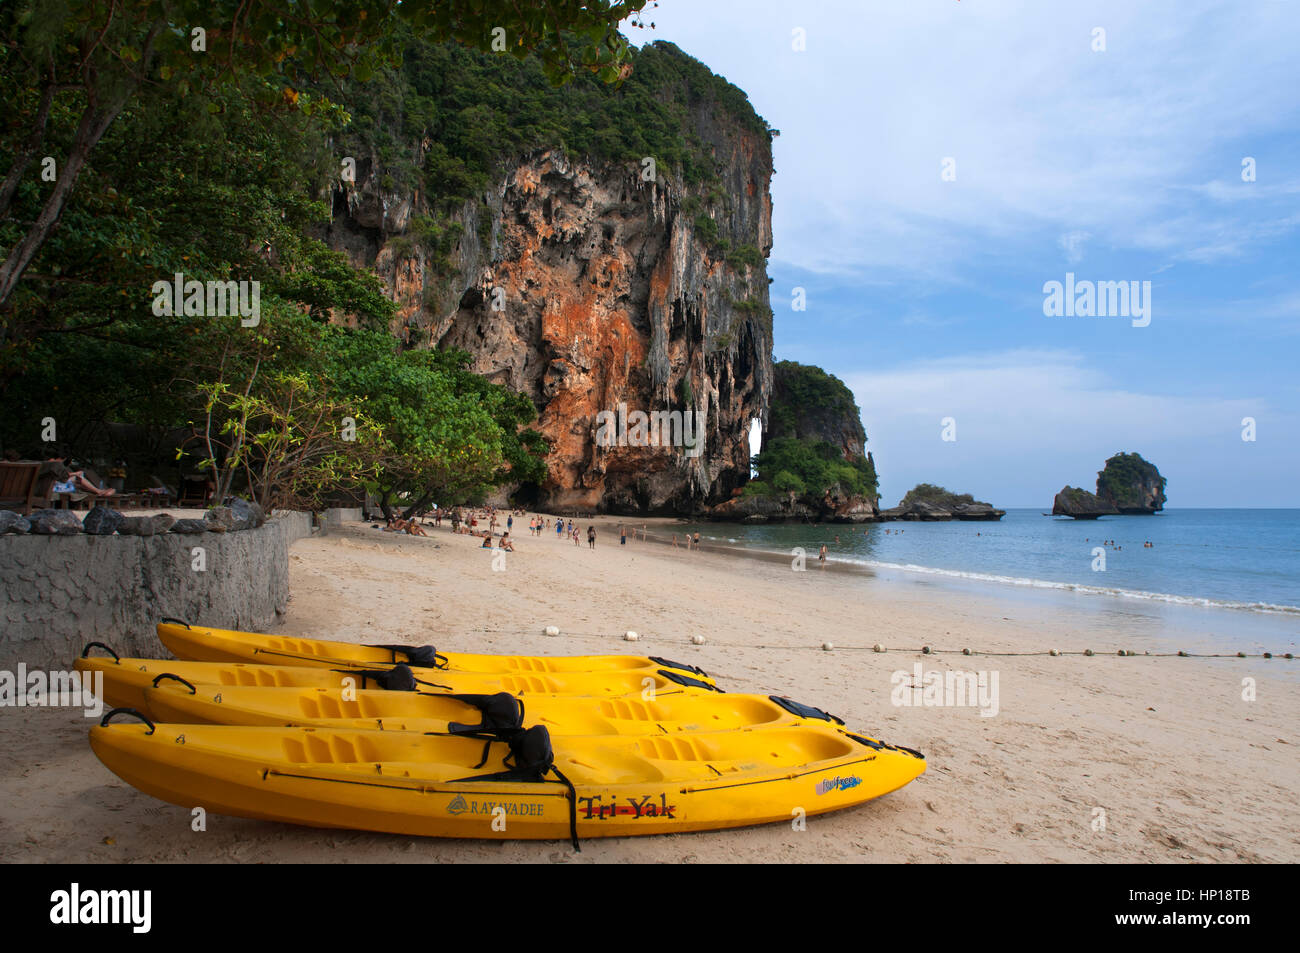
[{"x": 1087, "y": 759}]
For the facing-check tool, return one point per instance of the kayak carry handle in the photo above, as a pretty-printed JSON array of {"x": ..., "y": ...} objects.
[
  {"x": 103, "y": 722},
  {"x": 175, "y": 621},
  {"x": 176, "y": 678},
  {"x": 85, "y": 653}
]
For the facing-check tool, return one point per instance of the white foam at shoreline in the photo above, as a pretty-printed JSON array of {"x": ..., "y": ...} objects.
[
  {"x": 1077, "y": 587},
  {"x": 1092, "y": 590}
]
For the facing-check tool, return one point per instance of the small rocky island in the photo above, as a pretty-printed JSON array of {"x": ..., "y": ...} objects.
[
  {"x": 925, "y": 501},
  {"x": 1127, "y": 485}
]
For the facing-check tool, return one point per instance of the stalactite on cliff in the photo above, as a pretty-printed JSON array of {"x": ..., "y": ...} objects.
[{"x": 585, "y": 286}]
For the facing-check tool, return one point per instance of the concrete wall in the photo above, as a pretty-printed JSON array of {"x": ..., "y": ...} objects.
[
  {"x": 60, "y": 592},
  {"x": 337, "y": 515}
]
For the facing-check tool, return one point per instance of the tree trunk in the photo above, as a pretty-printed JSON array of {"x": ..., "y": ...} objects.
[
  {"x": 419, "y": 504},
  {"x": 94, "y": 123},
  {"x": 24, "y": 156}
]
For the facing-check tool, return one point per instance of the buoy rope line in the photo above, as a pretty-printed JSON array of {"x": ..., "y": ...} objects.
[{"x": 923, "y": 650}]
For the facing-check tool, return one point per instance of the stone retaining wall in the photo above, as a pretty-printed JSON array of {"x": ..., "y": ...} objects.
[{"x": 60, "y": 592}]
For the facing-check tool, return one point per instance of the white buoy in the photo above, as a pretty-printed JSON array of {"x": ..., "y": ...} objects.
[
  {"x": 827, "y": 646},
  {"x": 552, "y": 630},
  {"x": 697, "y": 639},
  {"x": 630, "y": 636},
  {"x": 877, "y": 647}
]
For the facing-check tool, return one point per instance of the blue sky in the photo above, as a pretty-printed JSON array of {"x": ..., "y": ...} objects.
[{"x": 926, "y": 296}]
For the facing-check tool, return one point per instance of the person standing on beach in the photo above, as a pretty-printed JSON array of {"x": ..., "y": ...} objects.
[
  {"x": 821, "y": 556},
  {"x": 697, "y": 542},
  {"x": 622, "y": 535},
  {"x": 559, "y": 528},
  {"x": 510, "y": 522},
  {"x": 591, "y": 537}
]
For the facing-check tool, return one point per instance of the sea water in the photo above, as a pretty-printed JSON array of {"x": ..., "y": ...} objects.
[{"x": 1242, "y": 566}]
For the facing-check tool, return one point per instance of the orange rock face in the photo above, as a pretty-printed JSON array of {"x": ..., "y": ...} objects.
[{"x": 595, "y": 292}]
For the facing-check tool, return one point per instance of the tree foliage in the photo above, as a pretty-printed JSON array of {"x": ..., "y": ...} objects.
[
  {"x": 86, "y": 61},
  {"x": 790, "y": 465},
  {"x": 1125, "y": 477}
]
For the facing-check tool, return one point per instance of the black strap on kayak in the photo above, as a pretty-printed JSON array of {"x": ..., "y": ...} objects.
[
  {"x": 804, "y": 711},
  {"x": 502, "y": 720},
  {"x": 399, "y": 678},
  {"x": 867, "y": 741},
  {"x": 573, "y": 808},
  {"x": 424, "y": 656},
  {"x": 533, "y": 758},
  {"x": 175, "y": 678},
  {"x": 103, "y": 722},
  {"x": 501, "y": 713},
  {"x": 681, "y": 679},
  {"x": 172, "y": 620},
  {"x": 669, "y": 663},
  {"x": 85, "y": 653}
]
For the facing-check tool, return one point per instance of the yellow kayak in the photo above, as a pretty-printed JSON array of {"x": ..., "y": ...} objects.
[
  {"x": 665, "y": 713},
  {"x": 202, "y": 644},
  {"x": 125, "y": 679},
  {"x": 447, "y": 786}
]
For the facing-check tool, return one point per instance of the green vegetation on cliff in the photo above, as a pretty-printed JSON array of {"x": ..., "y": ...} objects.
[
  {"x": 810, "y": 468},
  {"x": 809, "y": 403},
  {"x": 937, "y": 495},
  {"x": 475, "y": 111},
  {"x": 1129, "y": 482},
  {"x": 814, "y": 439}
]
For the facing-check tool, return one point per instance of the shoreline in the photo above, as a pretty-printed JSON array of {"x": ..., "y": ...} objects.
[
  {"x": 1153, "y": 742},
  {"x": 1265, "y": 629}
]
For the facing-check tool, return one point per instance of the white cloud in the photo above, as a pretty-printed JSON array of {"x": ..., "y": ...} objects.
[
  {"x": 1048, "y": 136},
  {"x": 1031, "y": 421},
  {"x": 1072, "y": 244}
]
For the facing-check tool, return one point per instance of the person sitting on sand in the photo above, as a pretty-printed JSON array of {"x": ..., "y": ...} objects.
[
  {"x": 487, "y": 543},
  {"x": 506, "y": 544}
]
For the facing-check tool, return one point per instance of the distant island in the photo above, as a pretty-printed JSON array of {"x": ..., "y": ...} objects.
[
  {"x": 1127, "y": 485},
  {"x": 925, "y": 501}
]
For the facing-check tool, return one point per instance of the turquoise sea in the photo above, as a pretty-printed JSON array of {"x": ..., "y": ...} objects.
[{"x": 1240, "y": 566}]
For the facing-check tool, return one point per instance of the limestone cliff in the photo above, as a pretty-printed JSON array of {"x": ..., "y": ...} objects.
[
  {"x": 1131, "y": 485},
  {"x": 928, "y": 502},
  {"x": 812, "y": 466},
  {"x": 1080, "y": 504},
  {"x": 589, "y": 283}
]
